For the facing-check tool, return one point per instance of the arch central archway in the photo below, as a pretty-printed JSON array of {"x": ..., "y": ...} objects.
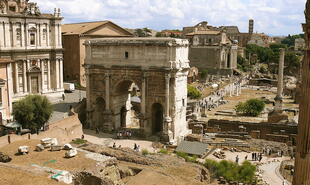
[{"x": 126, "y": 104}]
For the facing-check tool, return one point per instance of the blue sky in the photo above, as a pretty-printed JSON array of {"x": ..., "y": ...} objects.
[{"x": 274, "y": 17}]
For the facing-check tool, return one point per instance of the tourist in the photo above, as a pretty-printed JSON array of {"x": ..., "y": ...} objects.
[
  {"x": 97, "y": 130},
  {"x": 114, "y": 145},
  {"x": 82, "y": 136},
  {"x": 237, "y": 159},
  {"x": 135, "y": 147},
  {"x": 252, "y": 156},
  {"x": 246, "y": 157}
]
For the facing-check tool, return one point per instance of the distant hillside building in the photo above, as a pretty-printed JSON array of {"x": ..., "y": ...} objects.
[
  {"x": 211, "y": 49},
  {"x": 30, "y": 51},
  {"x": 74, "y": 35},
  {"x": 260, "y": 39}
]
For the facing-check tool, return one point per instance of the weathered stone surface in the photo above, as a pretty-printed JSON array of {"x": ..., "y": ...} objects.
[
  {"x": 4, "y": 158},
  {"x": 122, "y": 154},
  {"x": 153, "y": 69}
]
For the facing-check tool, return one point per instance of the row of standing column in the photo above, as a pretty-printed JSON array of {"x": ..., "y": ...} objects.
[{"x": 26, "y": 65}]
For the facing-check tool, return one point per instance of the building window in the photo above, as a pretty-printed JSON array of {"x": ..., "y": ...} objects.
[
  {"x": 44, "y": 34},
  {"x": 18, "y": 34},
  {"x": 126, "y": 55},
  {"x": 32, "y": 38},
  {"x": 12, "y": 8}
]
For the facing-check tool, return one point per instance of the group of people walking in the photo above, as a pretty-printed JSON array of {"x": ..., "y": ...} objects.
[{"x": 257, "y": 156}]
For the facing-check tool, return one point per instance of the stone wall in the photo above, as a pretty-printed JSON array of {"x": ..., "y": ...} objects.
[{"x": 279, "y": 132}]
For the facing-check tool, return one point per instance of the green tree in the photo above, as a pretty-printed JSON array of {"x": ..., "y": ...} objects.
[
  {"x": 33, "y": 111},
  {"x": 290, "y": 39},
  {"x": 252, "y": 107},
  {"x": 231, "y": 171},
  {"x": 243, "y": 64},
  {"x": 193, "y": 92}
]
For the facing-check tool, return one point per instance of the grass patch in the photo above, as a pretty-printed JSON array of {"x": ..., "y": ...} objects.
[
  {"x": 163, "y": 151},
  {"x": 187, "y": 157},
  {"x": 79, "y": 141}
]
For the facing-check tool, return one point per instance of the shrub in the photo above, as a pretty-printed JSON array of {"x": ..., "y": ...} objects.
[
  {"x": 231, "y": 171},
  {"x": 163, "y": 151},
  {"x": 193, "y": 92},
  {"x": 252, "y": 107},
  {"x": 187, "y": 158},
  {"x": 33, "y": 111},
  {"x": 145, "y": 152}
]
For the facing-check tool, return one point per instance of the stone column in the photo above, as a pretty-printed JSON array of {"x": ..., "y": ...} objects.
[
  {"x": 278, "y": 98},
  {"x": 16, "y": 78},
  {"x": 61, "y": 73},
  {"x": 302, "y": 161},
  {"x": 167, "y": 133},
  {"x": 25, "y": 76},
  {"x": 143, "y": 94},
  {"x": 48, "y": 74},
  {"x": 107, "y": 91},
  {"x": 42, "y": 76},
  {"x": 167, "y": 98},
  {"x": 57, "y": 73}
]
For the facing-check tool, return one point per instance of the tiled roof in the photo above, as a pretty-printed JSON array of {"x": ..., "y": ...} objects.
[
  {"x": 84, "y": 27},
  {"x": 193, "y": 148}
]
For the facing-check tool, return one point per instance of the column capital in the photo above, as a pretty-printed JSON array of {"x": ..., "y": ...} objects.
[{"x": 107, "y": 75}]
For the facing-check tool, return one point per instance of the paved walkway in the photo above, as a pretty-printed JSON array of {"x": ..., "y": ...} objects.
[
  {"x": 61, "y": 108},
  {"x": 107, "y": 140},
  {"x": 270, "y": 172}
]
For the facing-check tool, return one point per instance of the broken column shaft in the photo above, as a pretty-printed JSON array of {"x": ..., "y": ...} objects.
[{"x": 278, "y": 98}]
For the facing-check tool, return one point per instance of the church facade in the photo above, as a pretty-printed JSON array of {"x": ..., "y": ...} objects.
[{"x": 30, "y": 44}]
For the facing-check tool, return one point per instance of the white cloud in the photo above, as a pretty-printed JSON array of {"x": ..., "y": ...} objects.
[{"x": 277, "y": 17}]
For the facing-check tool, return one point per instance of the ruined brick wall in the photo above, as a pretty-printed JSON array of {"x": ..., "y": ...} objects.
[{"x": 263, "y": 128}]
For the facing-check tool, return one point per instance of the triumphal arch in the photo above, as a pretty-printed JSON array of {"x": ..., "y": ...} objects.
[{"x": 138, "y": 83}]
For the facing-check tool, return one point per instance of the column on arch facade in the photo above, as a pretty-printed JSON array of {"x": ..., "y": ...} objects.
[{"x": 107, "y": 91}]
